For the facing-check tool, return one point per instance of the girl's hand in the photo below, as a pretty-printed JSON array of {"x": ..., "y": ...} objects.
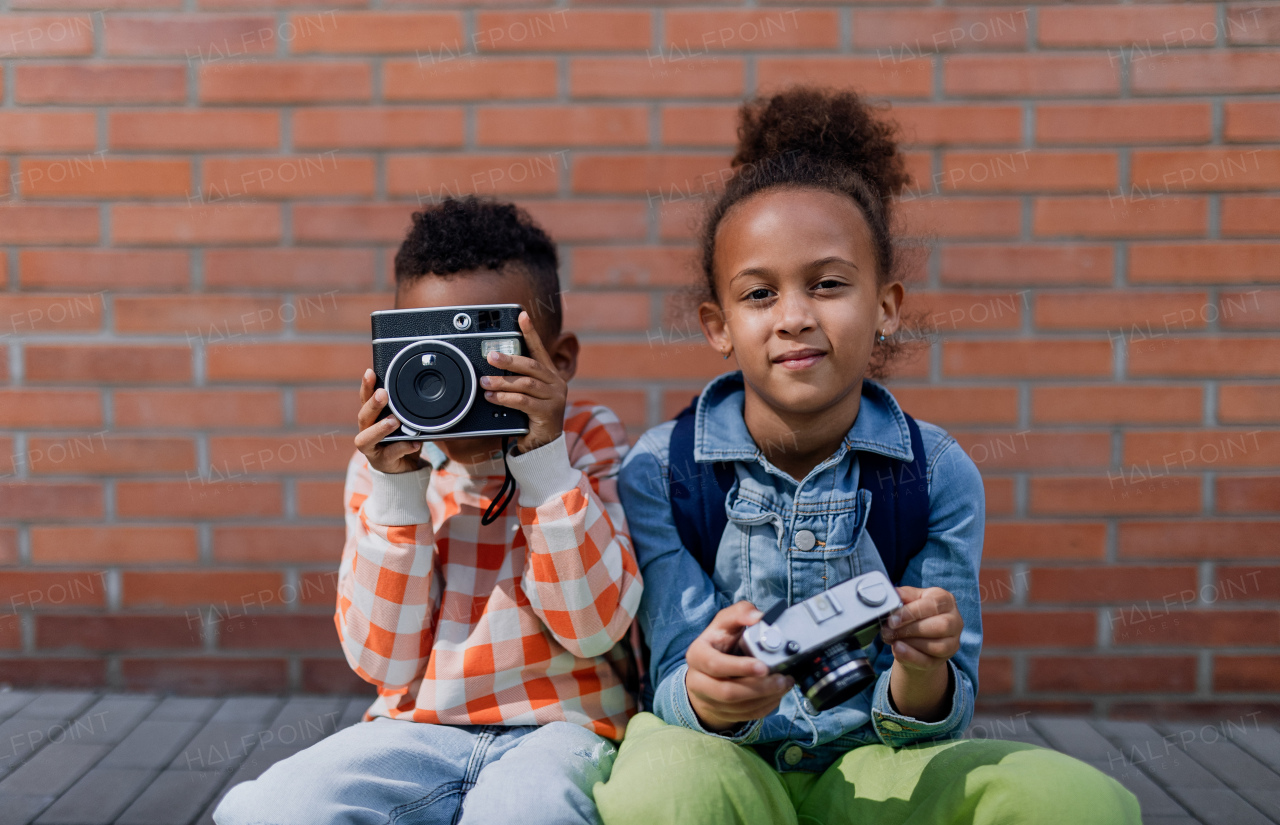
[
  {"x": 726, "y": 689},
  {"x": 396, "y": 457},
  {"x": 924, "y": 633},
  {"x": 538, "y": 390}
]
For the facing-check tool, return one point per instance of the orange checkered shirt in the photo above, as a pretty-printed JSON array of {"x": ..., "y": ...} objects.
[{"x": 512, "y": 623}]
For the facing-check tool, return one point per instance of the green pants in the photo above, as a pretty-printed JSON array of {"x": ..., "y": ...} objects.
[{"x": 667, "y": 774}]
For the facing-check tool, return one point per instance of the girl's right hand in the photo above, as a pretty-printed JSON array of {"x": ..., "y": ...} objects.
[
  {"x": 397, "y": 457},
  {"x": 726, "y": 688}
]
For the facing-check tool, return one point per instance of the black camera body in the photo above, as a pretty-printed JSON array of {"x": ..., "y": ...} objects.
[{"x": 430, "y": 362}]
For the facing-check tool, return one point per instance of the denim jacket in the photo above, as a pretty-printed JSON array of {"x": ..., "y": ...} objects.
[{"x": 758, "y": 561}]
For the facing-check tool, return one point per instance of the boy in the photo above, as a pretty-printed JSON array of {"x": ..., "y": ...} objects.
[{"x": 489, "y": 644}]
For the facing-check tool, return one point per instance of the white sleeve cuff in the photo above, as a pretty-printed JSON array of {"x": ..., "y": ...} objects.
[
  {"x": 544, "y": 472},
  {"x": 399, "y": 499}
]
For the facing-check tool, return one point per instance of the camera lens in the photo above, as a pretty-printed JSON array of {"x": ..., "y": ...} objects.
[
  {"x": 430, "y": 385},
  {"x": 833, "y": 675}
]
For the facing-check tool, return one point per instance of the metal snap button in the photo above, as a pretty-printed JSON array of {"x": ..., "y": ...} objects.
[
  {"x": 805, "y": 540},
  {"x": 792, "y": 755}
]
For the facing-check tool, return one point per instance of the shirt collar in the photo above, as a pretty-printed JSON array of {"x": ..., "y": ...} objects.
[{"x": 720, "y": 431}]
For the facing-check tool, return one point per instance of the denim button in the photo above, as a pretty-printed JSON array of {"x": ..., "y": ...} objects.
[
  {"x": 805, "y": 540},
  {"x": 793, "y": 754}
]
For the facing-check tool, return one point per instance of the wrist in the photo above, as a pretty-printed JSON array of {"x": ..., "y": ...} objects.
[{"x": 921, "y": 693}]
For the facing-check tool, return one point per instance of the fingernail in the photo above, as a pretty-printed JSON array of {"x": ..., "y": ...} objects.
[
  {"x": 895, "y": 620},
  {"x": 779, "y": 682},
  {"x": 488, "y": 395},
  {"x": 762, "y": 669},
  {"x": 485, "y": 381},
  {"x": 754, "y": 616}
]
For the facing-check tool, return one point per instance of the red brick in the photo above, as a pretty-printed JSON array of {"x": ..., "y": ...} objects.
[
  {"x": 376, "y": 33},
  {"x": 287, "y": 633},
  {"x": 324, "y": 174},
  {"x": 869, "y": 75},
  {"x": 630, "y": 266},
  {"x": 999, "y": 492},
  {"x": 469, "y": 78},
  {"x": 674, "y": 177},
  {"x": 906, "y": 34},
  {"x": 1115, "y": 493},
  {"x": 1250, "y": 24},
  {"x": 377, "y": 128},
  {"x": 562, "y": 30},
  {"x": 1108, "y": 584},
  {"x": 99, "y": 454},
  {"x": 1202, "y": 449},
  {"x": 655, "y": 77},
  {"x": 1202, "y": 539},
  {"x": 110, "y": 363},
  {"x": 94, "y": 176},
  {"x": 358, "y": 223},
  {"x": 1249, "y": 121},
  {"x": 198, "y": 499},
  {"x": 112, "y": 545},
  {"x": 593, "y": 220},
  {"x": 114, "y": 633},
  {"x": 237, "y": 456},
  {"x": 50, "y": 131},
  {"x": 42, "y": 501},
  {"x": 285, "y": 83},
  {"x": 561, "y": 126},
  {"x": 331, "y": 312},
  {"x": 1204, "y": 263},
  {"x": 333, "y": 676},
  {"x": 319, "y": 498},
  {"x": 50, "y": 313},
  {"x": 22, "y": 223},
  {"x": 205, "y": 676},
  {"x": 1142, "y": 29},
  {"x": 1021, "y": 628},
  {"x": 606, "y": 311},
  {"x": 1246, "y": 674},
  {"x": 198, "y": 317},
  {"x": 1260, "y": 494},
  {"x": 1210, "y": 357},
  {"x": 697, "y": 32},
  {"x": 1029, "y": 75},
  {"x": 1250, "y": 216},
  {"x": 975, "y": 125},
  {"x": 319, "y": 406},
  {"x": 1112, "y": 674},
  {"x": 1047, "y": 541},
  {"x": 1087, "y": 404},
  {"x": 291, "y": 362},
  {"x": 1122, "y": 123},
  {"x": 1205, "y": 170},
  {"x": 437, "y": 176},
  {"x": 955, "y": 406},
  {"x": 41, "y": 590},
  {"x": 196, "y": 409},
  {"x": 995, "y": 674},
  {"x": 700, "y": 126},
  {"x": 290, "y": 269},
  {"x": 1027, "y": 358},
  {"x": 100, "y": 269},
  {"x": 1136, "y": 315},
  {"x": 1248, "y": 403},
  {"x": 1247, "y": 582},
  {"x": 1032, "y": 265},
  {"x": 954, "y": 311},
  {"x": 1025, "y": 171},
  {"x": 931, "y": 215},
  {"x": 195, "y": 224},
  {"x": 100, "y": 83},
  {"x": 1206, "y": 71},
  {"x": 230, "y": 591},
  {"x": 278, "y": 545},
  {"x": 200, "y": 38},
  {"x": 1251, "y": 309},
  {"x": 602, "y": 359},
  {"x": 193, "y": 130},
  {"x": 54, "y": 672},
  {"x": 1202, "y": 628},
  {"x": 1123, "y": 214},
  {"x": 995, "y": 586},
  {"x": 1025, "y": 449},
  {"x": 30, "y": 35},
  {"x": 8, "y": 546}
]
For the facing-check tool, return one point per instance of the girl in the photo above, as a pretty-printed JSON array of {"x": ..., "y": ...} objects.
[{"x": 801, "y": 287}]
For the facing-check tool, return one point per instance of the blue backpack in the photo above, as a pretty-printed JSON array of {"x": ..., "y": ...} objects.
[{"x": 898, "y": 522}]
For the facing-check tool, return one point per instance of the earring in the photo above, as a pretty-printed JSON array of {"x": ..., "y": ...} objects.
[
  {"x": 726, "y": 354},
  {"x": 879, "y": 337}
]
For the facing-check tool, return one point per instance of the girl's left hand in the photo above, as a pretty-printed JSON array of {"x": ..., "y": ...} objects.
[
  {"x": 925, "y": 631},
  {"x": 537, "y": 390}
]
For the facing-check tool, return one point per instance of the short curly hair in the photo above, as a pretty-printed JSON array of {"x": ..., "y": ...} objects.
[
  {"x": 827, "y": 139},
  {"x": 468, "y": 233}
]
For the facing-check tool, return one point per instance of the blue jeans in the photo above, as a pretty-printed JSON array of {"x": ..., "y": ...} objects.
[{"x": 394, "y": 772}]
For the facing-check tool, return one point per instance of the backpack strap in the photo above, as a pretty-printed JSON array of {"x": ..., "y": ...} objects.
[{"x": 697, "y": 493}]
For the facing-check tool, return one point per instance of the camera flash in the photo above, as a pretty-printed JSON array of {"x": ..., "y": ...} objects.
[{"x": 507, "y": 346}]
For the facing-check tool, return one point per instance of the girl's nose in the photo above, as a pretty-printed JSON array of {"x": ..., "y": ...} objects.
[{"x": 795, "y": 315}]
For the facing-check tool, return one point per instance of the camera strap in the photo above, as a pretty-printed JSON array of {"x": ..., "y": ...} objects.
[{"x": 505, "y": 492}]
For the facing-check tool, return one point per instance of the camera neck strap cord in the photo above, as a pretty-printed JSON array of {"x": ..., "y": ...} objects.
[{"x": 505, "y": 492}]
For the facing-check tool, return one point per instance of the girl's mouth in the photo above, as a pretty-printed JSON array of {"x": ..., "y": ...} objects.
[{"x": 800, "y": 359}]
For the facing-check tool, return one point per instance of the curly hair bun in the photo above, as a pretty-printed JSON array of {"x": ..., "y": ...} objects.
[{"x": 828, "y": 125}]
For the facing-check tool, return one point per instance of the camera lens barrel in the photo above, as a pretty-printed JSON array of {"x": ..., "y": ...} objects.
[
  {"x": 833, "y": 675},
  {"x": 431, "y": 385}
]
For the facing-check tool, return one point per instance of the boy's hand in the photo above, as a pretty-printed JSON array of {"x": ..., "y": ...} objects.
[
  {"x": 924, "y": 633},
  {"x": 397, "y": 457},
  {"x": 727, "y": 689},
  {"x": 537, "y": 390}
]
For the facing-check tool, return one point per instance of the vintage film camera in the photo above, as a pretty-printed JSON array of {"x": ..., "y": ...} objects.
[
  {"x": 430, "y": 361},
  {"x": 819, "y": 641}
]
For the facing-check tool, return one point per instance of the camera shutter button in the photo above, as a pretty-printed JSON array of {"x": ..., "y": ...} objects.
[
  {"x": 872, "y": 593},
  {"x": 805, "y": 540}
]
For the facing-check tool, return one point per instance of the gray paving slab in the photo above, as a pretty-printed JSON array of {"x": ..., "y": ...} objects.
[
  {"x": 22, "y": 737},
  {"x": 1263, "y": 743},
  {"x": 98, "y": 797},
  {"x": 109, "y": 720},
  {"x": 1154, "y": 800},
  {"x": 1076, "y": 737},
  {"x": 12, "y": 701},
  {"x": 184, "y": 708},
  {"x": 53, "y": 769},
  {"x": 1235, "y": 767},
  {"x": 1219, "y": 806},
  {"x": 1266, "y": 800},
  {"x": 58, "y": 704},
  {"x": 260, "y": 709},
  {"x": 1007, "y": 728},
  {"x": 1158, "y": 755},
  {"x": 151, "y": 745},
  {"x": 20, "y": 809},
  {"x": 1168, "y": 820},
  {"x": 354, "y": 711},
  {"x": 174, "y": 798},
  {"x": 303, "y": 721},
  {"x": 219, "y": 746}
]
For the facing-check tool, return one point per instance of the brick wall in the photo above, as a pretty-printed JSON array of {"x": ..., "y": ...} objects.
[{"x": 201, "y": 199}]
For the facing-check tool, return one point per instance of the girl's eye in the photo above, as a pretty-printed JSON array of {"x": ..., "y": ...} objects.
[
  {"x": 760, "y": 294},
  {"x": 829, "y": 283}
]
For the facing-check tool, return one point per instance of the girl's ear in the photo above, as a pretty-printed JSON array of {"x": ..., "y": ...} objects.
[
  {"x": 891, "y": 296},
  {"x": 712, "y": 319}
]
